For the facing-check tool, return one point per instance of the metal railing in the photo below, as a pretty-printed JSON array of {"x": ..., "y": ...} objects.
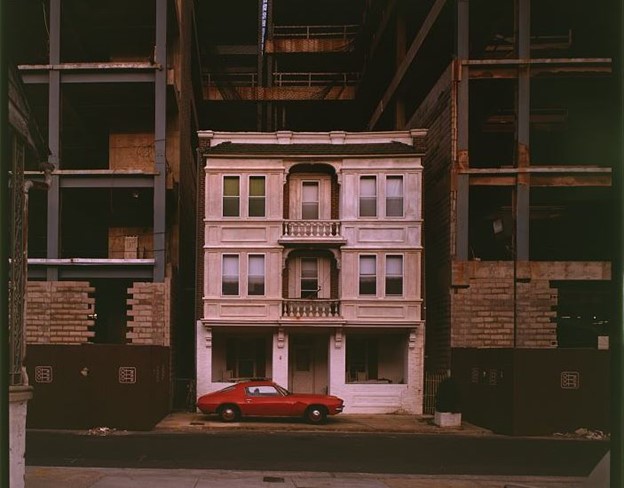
[
  {"x": 316, "y": 31},
  {"x": 432, "y": 381},
  {"x": 282, "y": 79},
  {"x": 316, "y": 229},
  {"x": 310, "y": 309},
  {"x": 314, "y": 79}
]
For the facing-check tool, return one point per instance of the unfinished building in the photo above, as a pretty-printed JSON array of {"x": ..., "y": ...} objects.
[
  {"x": 517, "y": 100},
  {"x": 111, "y": 244}
]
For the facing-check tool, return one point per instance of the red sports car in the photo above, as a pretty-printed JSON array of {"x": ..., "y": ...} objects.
[{"x": 268, "y": 399}]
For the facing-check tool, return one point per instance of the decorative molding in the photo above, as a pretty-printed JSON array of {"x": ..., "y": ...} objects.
[
  {"x": 412, "y": 339},
  {"x": 337, "y": 254},
  {"x": 281, "y": 338},
  {"x": 338, "y": 339},
  {"x": 208, "y": 337}
]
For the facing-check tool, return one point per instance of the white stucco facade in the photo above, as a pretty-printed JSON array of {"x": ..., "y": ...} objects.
[
  {"x": 18, "y": 405},
  {"x": 312, "y": 264}
]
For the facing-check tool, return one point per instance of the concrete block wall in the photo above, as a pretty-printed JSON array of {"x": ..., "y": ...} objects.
[
  {"x": 149, "y": 314},
  {"x": 57, "y": 312}
]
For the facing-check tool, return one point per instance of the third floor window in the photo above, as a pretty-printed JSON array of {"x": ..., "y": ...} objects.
[
  {"x": 257, "y": 196},
  {"x": 368, "y": 196},
  {"x": 310, "y": 200},
  {"x": 231, "y": 196},
  {"x": 394, "y": 196}
]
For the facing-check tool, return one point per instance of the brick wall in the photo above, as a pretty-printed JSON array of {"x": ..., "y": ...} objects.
[
  {"x": 435, "y": 113},
  {"x": 57, "y": 312},
  {"x": 483, "y": 308},
  {"x": 335, "y": 199},
  {"x": 149, "y": 313}
]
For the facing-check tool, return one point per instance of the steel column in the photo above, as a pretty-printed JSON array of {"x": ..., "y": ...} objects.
[
  {"x": 616, "y": 340},
  {"x": 523, "y": 110},
  {"x": 160, "y": 135},
  {"x": 4, "y": 248},
  {"x": 462, "y": 163},
  {"x": 54, "y": 134}
]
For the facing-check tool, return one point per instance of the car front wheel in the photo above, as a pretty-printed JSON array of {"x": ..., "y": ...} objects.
[
  {"x": 316, "y": 414},
  {"x": 229, "y": 413}
]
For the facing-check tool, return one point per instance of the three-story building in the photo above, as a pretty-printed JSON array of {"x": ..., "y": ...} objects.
[{"x": 312, "y": 265}]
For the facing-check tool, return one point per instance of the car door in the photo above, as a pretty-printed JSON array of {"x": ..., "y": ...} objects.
[{"x": 265, "y": 400}]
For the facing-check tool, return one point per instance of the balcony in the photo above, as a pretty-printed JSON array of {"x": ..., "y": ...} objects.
[
  {"x": 312, "y": 232},
  {"x": 310, "y": 309}
]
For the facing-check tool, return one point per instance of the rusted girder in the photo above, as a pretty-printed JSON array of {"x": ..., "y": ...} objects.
[{"x": 279, "y": 93}]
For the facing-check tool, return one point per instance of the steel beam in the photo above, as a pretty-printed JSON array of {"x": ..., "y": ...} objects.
[
  {"x": 54, "y": 134},
  {"x": 160, "y": 135},
  {"x": 498, "y": 72},
  {"x": 92, "y": 272},
  {"x": 107, "y": 181},
  {"x": 425, "y": 28},
  {"x": 536, "y": 61}
]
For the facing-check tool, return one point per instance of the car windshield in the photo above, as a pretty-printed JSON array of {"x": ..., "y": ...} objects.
[{"x": 283, "y": 391}]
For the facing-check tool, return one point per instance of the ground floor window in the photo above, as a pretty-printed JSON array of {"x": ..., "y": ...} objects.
[
  {"x": 376, "y": 358},
  {"x": 240, "y": 357}
]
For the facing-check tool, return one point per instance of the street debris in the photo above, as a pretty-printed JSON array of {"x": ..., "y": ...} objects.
[
  {"x": 597, "y": 435},
  {"x": 101, "y": 431}
]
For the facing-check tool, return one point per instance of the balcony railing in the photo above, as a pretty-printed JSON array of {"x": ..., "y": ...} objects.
[
  {"x": 310, "y": 309},
  {"x": 316, "y": 229}
]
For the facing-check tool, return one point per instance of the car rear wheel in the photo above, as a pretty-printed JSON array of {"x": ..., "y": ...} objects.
[
  {"x": 229, "y": 413},
  {"x": 316, "y": 414}
]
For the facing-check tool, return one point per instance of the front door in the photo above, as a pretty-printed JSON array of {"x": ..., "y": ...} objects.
[
  {"x": 302, "y": 368},
  {"x": 308, "y": 371}
]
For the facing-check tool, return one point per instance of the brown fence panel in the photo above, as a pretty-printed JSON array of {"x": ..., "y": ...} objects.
[
  {"x": 486, "y": 380},
  {"x": 561, "y": 390},
  {"x": 98, "y": 385},
  {"x": 533, "y": 391}
]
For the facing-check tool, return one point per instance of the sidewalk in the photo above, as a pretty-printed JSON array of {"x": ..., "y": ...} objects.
[
  {"x": 46, "y": 477},
  {"x": 187, "y": 422}
]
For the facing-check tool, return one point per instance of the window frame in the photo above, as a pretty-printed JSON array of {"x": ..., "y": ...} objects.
[
  {"x": 362, "y": 257},
  {"x": 223, "y": 275},
  {"x": 317, "y": 183},
  {"x": 397, "y": 198},
  {"x": 315, "y": 293},
  {"x": 388, "y": 275},
  {"x": 368, "y": 199},
  {"x": 256, "y": 198},
  {"x": 232, "y": 198},
  {"x": 249, "y": 275}
]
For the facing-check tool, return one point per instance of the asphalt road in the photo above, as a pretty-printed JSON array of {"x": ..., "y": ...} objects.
[{"x": 288, "y": 451}]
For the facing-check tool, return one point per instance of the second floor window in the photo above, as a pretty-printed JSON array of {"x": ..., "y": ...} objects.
[
  {"x": 368, "y": 196},
  {"x": 368, "y": 275},
  {"x": 309, "y": 278},
  {"x": 231, "y": 196},
  {"x": 394, "y": 275},
  {"x": 394, "y": 196},
  {"x": 229, "y": 282},
  {"x": 310, "y": 200},
  {"x": 255, "y": 275},
  {"x": 257, "y": 196}
]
